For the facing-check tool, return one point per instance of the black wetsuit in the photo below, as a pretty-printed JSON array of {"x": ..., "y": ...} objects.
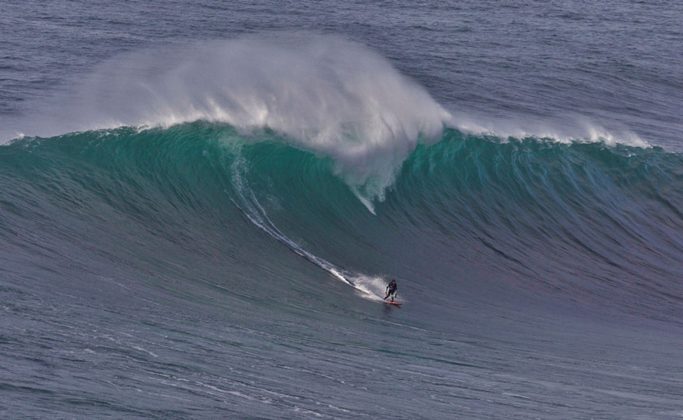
[{"x": 391, "y": 290}]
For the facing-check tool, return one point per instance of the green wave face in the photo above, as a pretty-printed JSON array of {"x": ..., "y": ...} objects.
[{"x": 196, "y": 201}]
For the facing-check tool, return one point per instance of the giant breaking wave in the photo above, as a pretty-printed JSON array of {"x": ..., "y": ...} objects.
[{"x": 595, "y": 223}]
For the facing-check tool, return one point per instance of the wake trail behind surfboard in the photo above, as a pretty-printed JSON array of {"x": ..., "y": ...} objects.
[{"x": 368, "y": 287}]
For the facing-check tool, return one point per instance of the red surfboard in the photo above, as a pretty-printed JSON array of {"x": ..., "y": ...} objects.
[{"x": 395, "y": 303}]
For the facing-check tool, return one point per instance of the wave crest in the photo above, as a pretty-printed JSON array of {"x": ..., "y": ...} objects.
[{"x": 325, "y": 94}]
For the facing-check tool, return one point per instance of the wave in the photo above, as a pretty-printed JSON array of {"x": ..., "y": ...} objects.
[
  {"x": 325, "y": 94},
  {"x": 594, "y": 223},
  {"x": 321, "y": 93}
]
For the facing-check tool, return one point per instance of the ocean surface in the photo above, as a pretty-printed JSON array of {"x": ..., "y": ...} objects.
[{"x": 201, "y": 205}]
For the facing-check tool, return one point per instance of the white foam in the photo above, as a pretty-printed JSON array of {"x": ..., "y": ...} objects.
[
  {"x": 370, "y": 287},
  {"x": 571, "y": 128}
]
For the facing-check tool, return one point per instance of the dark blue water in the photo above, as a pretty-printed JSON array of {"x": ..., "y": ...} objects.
[{"x": 201, "y": 204}]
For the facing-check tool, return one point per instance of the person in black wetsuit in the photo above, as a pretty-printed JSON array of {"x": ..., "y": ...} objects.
[{"x": 391, "y": 290}]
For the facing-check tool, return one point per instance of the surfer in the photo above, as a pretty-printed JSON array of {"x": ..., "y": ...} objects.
[{"x": 391, "y": 290}]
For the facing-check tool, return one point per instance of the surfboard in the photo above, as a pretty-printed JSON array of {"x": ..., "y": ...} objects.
[{"x": 395, "y": 303}]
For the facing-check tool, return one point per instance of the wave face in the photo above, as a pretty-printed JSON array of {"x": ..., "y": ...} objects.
[{"x": 596, "y": 224}]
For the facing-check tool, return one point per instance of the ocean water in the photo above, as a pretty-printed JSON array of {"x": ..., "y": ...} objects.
[{"x": 201, "y": 205}]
